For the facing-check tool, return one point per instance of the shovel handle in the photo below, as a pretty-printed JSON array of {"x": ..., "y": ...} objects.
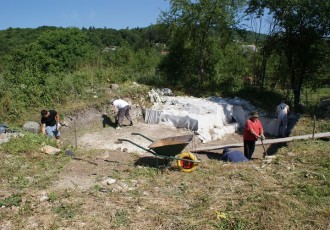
[{"x": 265, "y": 152}]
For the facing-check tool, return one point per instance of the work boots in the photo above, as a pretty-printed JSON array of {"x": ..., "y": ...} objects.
[{"x": 131, "y": 123}]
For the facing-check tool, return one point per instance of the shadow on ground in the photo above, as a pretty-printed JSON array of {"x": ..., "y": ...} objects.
[
  {"x": 152, "y": 162},
  {"x": 108, "y": 121}
]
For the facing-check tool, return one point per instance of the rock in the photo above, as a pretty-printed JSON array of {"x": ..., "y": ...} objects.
[
  {"x": 111, "y": 181},
  {"x": 31, "y": 126},
  {"x": 69, "y": 153},
  {"x": 50, "y": 150},
  {"x": 44, "y": 197},
  {"x": 114, "y": 86},
  {"x": 270, "y": 157},
  {"x": 267, "y": 161},
  {"x": 3, "y": 138},
  {"x": 291, "y": 154},
  {"x": 108, "y": 181},
  {"x": 3, "y": 128}
]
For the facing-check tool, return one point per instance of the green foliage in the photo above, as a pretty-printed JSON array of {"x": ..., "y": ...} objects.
[
  {"x": 53, "y": 51},
  {"x": 66, "y": 211},
  {"x": 121, "y": 218},
  {"x": 13, "y": 200},
  {"x": 194, "y": 49},
  {"x": 231, "y": 68},
  {"x": 299, "y": 38},
  {"x": 198, "y": 30}
]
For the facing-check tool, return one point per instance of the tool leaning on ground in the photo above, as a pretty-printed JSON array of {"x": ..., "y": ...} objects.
[
  {"x": 71, "y": 154},
  {"x": 262, "y": 138}
]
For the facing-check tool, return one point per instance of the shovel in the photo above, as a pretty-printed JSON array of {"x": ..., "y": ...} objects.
[
  {"x": 70, "y": 153},
  {"x": 265, "y": 152}
]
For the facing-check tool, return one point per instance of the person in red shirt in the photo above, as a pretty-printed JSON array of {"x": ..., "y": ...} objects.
[{"x": 252, "y": 131}]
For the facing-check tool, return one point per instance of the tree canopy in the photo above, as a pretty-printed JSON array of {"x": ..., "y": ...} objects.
[{"x": 300, "y": 33}]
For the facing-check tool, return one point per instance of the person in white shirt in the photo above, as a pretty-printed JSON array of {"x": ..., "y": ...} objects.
[
  {"x": 122, "y": 108},
  {"x": 282, "y": 111}
]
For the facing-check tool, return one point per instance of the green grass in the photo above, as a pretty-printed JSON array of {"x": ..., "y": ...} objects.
[
  {"x": 25, "y": 166},
  {"x": 13, "y": 200},
  {"x": 313, "y": 97}
]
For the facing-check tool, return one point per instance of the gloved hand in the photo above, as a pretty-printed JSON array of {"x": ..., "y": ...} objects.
[{"x": 262, "y": 137}]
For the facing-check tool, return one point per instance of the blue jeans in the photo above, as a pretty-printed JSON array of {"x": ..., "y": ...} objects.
[{"x": 52, "y": 131}]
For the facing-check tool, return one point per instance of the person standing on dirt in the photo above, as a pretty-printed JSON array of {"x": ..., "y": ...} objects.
[
  {"x": 123, "y": 109},
  {"x": 252, "y": 131},
  {"x": 50, "y": 124},
  {"x": 282, "y": 111},
  {"x": 233, "y": 156}
]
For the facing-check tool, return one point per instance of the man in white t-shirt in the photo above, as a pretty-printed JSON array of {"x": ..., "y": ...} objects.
[
  {"x": 122, "y": 108},
  {"x": 282, "y": 111}
]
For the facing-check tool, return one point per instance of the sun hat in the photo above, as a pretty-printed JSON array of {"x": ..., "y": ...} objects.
[{"x": 255, "y": 115}]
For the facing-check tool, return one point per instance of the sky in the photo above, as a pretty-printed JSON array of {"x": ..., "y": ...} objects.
[{"x": 114, "y": 14}]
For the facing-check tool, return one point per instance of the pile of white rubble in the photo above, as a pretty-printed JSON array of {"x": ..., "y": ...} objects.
[{"x": 211, "y": 118}]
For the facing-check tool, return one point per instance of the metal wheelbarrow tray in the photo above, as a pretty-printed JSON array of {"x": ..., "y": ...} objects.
[{"x": 168, "y": 148}]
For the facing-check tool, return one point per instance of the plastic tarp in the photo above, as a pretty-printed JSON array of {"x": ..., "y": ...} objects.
[{"x": 210, "y": 118}]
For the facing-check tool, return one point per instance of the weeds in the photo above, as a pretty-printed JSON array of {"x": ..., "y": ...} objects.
[
  {"x": 13, "y": 200},
  {"x": 121, "y": 218},
  {"x": 66, "y": 211},
  {"x": 26, "y": 143}
]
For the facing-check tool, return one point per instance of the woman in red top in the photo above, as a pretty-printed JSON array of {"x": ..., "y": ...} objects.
[{"x": 252, "y": 131}]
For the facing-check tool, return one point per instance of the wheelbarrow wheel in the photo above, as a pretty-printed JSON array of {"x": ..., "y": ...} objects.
[{"x": 187, "y": 166}]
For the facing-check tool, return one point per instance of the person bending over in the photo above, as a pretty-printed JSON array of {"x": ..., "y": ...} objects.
[
  {"x": 123, "y": 109},
  {"x": 50, "y": 124},
  {"x": 233, "y": 156}
]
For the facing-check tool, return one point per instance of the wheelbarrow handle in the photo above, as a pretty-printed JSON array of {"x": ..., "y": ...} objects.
[
  {"x": 142, "y": 136},
  {"x": 145, "y": 149}
]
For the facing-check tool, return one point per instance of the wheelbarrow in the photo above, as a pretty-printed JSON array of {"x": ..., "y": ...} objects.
[{"x": 170, "y": 149}]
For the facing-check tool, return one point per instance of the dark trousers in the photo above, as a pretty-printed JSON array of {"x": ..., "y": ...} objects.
[
  {"x": 249, "y": 147},
  {"x": 123, "y": 112}
]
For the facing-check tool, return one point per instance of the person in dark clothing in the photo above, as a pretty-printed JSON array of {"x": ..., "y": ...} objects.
[
  {"x": 233, "y": 156},
  {"x": 50, "y": 123}
]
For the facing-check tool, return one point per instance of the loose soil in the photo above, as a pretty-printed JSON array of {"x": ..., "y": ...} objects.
[{"x": 95, "y": 133}]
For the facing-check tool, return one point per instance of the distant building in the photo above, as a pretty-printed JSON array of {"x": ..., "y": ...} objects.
[
  {"x": 108, "y": 49},
  {"x": 164, "y": 52},
  {"x": 252, "y": 48}
]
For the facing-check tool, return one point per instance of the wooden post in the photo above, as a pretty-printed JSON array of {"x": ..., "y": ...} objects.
[
  {"x": 75, "y": 133},
  {"x": 314, "y": 127}
]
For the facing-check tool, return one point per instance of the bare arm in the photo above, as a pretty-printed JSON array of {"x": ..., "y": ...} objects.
[
  {"x": 43, "y": 129},
  {"x": 57, "y": 118}
]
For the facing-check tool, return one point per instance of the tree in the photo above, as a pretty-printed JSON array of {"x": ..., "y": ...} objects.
[
  {"x": 300, "y": 29},
  {"x": 198, "y": 30},
  {"x": 53, "y": 51}
]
